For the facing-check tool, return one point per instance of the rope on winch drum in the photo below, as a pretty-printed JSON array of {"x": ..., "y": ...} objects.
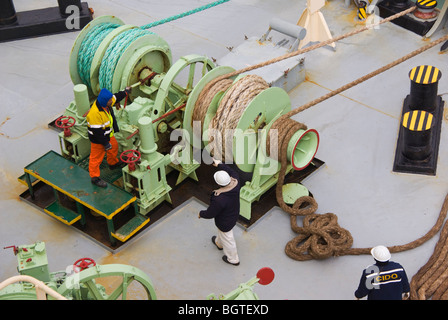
[{"x": 117, "y": 47}]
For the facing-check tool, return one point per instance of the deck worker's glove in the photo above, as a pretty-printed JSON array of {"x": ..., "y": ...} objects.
[{"x": 108, "y": 146}]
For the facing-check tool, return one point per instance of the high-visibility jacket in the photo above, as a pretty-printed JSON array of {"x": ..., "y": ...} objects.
[{"x": 101, "y": 122}]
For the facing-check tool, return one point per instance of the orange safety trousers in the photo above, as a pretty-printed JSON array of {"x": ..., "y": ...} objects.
[{"x": 97, "y": 153}]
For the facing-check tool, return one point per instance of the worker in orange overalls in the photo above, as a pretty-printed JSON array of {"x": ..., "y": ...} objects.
[{"x": 101, "y": 125}]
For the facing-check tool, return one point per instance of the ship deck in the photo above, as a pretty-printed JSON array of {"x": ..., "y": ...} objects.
[{"x": 358, "y": 134}]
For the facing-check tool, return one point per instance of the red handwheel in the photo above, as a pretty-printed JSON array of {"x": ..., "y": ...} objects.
[
  {"x": 132, "y": 156},
  {"x": 83, "y": 263},
  {"x": 265, "y": 275},
  {"x": 65, "y": 122}
]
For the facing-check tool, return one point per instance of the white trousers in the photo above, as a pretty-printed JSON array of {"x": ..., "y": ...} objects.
[{"x": 226, "y": 241}]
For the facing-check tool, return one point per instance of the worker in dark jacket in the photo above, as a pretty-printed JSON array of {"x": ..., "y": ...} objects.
[
  {"x": 384, "y": 280},
  {"x": 225, "y": 209},
  {"x": 101, "y": 126}
]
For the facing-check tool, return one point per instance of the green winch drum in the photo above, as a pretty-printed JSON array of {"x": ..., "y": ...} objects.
[{"x": 110, "y": 54}]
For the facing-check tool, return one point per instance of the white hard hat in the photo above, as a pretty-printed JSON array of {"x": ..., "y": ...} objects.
[
  {"x": 380, "y": 253},
  {"x": 222, "y": 178}
]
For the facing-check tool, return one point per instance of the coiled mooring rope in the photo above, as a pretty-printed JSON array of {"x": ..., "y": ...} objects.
[
  {"x": 94, "y": 37},
  {"x": 295, "y": 251},
  {"x": 431, "y": 280}
]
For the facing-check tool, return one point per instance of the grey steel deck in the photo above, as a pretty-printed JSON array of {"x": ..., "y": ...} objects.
[{"x": 358, "y": 131}]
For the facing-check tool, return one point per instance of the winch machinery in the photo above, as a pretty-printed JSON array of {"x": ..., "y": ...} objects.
[{"x": 178, "y": 116}]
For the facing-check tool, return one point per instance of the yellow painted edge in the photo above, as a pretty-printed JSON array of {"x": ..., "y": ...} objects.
[
  {"x": 405, "y": 119},
  {"x": 62, "y": 220},
  {"x": 412, "y": 75},
  {"x": 82, "y": 202},
  {"x": 122, "y": 207},
  {"x": 124, "y": 239},
  {"x": 22, "y": 182},
  {"x": 435, "y": 76}
]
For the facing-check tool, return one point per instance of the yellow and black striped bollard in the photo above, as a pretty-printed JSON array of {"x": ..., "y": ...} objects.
[{"x": 417, "y": 126}]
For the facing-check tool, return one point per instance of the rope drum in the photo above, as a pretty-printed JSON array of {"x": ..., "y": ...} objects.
[
  {"x": 88, "y": 54},
  {"x": 89, "y": 47},
  {"x": 230, "y": 110}
]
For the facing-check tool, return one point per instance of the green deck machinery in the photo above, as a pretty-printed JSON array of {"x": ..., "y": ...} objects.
[
  {"x": 84, "y": 280},
  {"x": 171, "y": 102}
]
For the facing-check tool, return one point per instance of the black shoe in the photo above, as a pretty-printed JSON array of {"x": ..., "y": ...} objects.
[
  {"x": 213, "y": 240},
  {"x": 98, "y": 182},
  {"x": 224, "y": 258},
  {"x": 119, "y": 164}
]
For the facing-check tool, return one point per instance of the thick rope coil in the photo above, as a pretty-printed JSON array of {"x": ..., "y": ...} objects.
[
  {"x": 431, "y": 281},
  {"x": 229, "y": 112},
  {"x": 114, "y": 52},
  {"x": 295, "y": 249},
  {"x": 234, "y": 102},
  {"x": 88, "y": 48},
  {"x": 320, "y": 237},
  {"x": 206, "y": 96}
]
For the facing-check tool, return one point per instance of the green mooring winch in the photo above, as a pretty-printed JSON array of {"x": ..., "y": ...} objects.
[{"x": 177, "y": 115}]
